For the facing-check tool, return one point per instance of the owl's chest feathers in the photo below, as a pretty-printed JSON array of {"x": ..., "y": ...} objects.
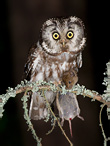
[{"x": 48, "y": 67}]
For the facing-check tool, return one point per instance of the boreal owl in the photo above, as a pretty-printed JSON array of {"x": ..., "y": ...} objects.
[{"x": 58, "y": 50}]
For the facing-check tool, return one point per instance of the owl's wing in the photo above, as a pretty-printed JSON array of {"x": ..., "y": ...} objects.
[
  {"x": 28, "y": 69},
  {"x": 29, "y": 64},
  {"x": 79, "y": 60},
  {"x": 37, "y": 109}
]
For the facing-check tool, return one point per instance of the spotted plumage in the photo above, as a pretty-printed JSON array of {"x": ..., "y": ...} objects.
[{"x": 58, "y": 50}]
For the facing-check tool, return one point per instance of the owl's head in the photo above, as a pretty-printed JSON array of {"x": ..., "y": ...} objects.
[{"x": 62, "y": 35}]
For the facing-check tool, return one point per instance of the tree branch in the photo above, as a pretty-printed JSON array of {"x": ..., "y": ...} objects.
[{"x": 37, "y": 86}]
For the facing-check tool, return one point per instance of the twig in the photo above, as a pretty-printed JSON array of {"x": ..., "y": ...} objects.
[
  {"x": 76, "y": 88},
  {"x": 28, "y": 120},
  {"x": 57, "y": 120},
  {"x": 50, "y": 131},
  {"x": 100, "y": 120}
]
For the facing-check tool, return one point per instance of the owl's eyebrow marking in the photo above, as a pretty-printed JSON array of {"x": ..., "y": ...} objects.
[
  {"x": 49, "y": 25},
  {"x": 54, "y": 29},
  {"x": 54, "y": 23},
  {"x": 70, "y": 27},
  {"x": 72, "y": 23}
]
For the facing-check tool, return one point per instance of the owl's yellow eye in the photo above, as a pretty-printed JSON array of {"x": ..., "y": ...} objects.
[
  {"x": 56, "y": 35},
  {"x": 69, "y": 35}
]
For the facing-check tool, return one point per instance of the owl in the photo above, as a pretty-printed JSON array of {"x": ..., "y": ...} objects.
[{"x": 58, "y": 50}]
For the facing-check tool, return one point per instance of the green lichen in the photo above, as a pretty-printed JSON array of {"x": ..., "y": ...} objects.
[
  {"x": 106, "y": 97},
  {"x": 28, "y": 120},
  {"x": 63, "y": 90}
]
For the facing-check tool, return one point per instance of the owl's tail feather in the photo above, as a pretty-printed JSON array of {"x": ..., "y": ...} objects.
[
  {"x": 38, "y": 109},
  {"x": 37, "y": 112}
]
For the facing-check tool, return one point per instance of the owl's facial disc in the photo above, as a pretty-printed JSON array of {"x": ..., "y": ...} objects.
[
  {"x": 62, "y": 35},
  {"x": 63, "y": 39}
]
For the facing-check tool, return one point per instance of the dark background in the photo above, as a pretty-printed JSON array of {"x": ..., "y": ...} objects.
[{"x": 20, "y": 23}]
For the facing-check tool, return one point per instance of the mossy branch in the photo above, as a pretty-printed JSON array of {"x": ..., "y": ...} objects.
[
  {"x": 26, "y": 86},
  {"x": 39, "y": 86}
]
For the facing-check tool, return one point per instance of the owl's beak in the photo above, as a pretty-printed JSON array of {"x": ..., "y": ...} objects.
[{"x": 63, "y": 44}]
